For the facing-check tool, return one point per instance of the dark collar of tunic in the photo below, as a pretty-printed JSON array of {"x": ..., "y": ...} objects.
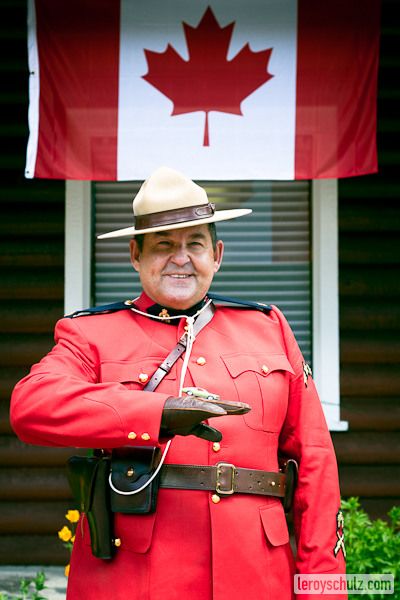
[{"x": 157, "y": 310}]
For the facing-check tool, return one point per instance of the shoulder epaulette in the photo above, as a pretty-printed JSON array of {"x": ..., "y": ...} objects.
[
  {"x": 226, "y": 300},
  {"x": 101, "y": 310},
  {"x": 127, "y": 304}
]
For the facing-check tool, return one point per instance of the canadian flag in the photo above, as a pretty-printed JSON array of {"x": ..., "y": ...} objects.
[{"x": 255, "y": 89}]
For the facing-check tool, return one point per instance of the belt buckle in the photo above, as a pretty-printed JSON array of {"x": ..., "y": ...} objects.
[{"x": 218, "y": 488}]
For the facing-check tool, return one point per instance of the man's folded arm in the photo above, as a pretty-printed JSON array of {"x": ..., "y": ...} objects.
[{"x": 61, "y": 402}]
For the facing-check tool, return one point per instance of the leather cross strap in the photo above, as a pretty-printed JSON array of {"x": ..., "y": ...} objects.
[
  {"x": 224, "y": 478},
  {"x": 202, "y": 320}
]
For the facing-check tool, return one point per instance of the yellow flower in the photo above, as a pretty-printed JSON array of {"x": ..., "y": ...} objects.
[
  {"x": 66, "y": 570},
  {"x": 72, "y": 516},
  {"x": 72, "y": 539},
  {"x": 65, "y": 534}
]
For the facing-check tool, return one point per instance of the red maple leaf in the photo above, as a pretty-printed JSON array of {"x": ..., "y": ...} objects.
[{"x": 207, "y": 81}]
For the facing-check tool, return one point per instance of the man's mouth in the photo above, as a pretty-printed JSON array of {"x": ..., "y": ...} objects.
[{"x": 177, "y": 276}]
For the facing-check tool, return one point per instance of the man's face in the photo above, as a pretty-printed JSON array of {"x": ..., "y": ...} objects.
[{"x": 176, "y": 267}]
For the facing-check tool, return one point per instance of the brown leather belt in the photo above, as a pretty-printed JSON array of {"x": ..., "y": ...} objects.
[{"x": 224, "y": 478}]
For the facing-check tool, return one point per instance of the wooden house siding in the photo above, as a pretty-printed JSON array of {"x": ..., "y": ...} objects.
[
  {"x": 369, "y": 297},
  {"x": 33, "y": 489}
]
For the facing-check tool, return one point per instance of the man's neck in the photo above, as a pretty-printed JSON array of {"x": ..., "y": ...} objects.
[{"x": 145, "y": 303}]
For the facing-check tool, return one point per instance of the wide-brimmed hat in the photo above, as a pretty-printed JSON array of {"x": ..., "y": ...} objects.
[{"x": 170, "y": 200}]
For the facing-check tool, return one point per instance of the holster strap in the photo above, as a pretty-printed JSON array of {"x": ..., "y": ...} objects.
[{"x": 223, "y": 478}]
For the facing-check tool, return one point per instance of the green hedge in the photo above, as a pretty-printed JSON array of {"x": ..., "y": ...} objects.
[{"x": 372, "y": 546}]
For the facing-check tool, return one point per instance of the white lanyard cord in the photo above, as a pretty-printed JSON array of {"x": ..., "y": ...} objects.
[
  {"x": 131, "y": 493},
  {"x": 190, "y": 339}
]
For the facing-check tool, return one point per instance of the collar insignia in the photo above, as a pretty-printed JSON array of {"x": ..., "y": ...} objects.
[{"x": 164, "y": 315}]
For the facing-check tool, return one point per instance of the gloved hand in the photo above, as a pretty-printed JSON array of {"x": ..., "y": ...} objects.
[{"x": 184, "y": 416}]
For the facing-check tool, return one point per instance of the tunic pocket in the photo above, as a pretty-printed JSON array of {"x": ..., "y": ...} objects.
[
  {"x": 278, "y": 551},
  {"x": 135, "y": 532},
  {"x": 261, "y": 380},
  {"x": 274, "y": 523}
]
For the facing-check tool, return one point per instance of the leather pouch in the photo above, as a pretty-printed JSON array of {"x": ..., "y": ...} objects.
[
  {"x": 131, "y": 468},
  {"x": 88, "y": 478}
]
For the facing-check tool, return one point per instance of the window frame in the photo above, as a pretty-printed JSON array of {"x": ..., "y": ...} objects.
[{"x": 325, "y": 282}]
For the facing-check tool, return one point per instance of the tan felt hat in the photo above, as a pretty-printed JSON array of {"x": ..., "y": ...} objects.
[{"x": 170, "y": 200}]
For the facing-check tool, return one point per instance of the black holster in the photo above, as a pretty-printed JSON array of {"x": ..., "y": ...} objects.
[
  {"x": 88, "y": 478},
  {"x": 130, "y": 468}
]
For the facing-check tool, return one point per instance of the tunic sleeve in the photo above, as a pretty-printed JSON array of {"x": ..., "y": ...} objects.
[
  {"x": 305, "y": 437},
  {"x": 61, "y": 402}
]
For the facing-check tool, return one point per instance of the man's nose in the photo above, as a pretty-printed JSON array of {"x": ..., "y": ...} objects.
[{"x": 180, "y": 257}]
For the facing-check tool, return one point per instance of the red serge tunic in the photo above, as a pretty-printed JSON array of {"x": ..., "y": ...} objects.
[{"x": 88, "y": 392}]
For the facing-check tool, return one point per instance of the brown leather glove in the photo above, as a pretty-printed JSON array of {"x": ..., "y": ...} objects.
[{"x": 184, "y": 416}]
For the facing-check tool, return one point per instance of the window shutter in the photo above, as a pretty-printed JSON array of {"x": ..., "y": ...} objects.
[{"x": 267, "y": 253}]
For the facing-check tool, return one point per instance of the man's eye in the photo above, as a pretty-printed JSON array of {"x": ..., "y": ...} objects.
[{"x": 196, "y": 244}]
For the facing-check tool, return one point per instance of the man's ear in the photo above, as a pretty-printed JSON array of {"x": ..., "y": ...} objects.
[
  {"x": 135, "y": 254},
  {"x": 218, "y": 254}
]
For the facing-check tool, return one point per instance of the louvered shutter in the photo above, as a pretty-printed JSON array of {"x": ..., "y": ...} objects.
[{"x": 267, "y": 254}]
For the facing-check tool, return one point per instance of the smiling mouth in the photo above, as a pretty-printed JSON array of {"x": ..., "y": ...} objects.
[{"x": 176, "y": 276}]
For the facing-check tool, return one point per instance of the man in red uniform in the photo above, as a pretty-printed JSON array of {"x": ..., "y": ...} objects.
[{"x": 230, "y": 539}]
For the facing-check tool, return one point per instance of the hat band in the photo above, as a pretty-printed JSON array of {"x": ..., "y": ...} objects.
[{"x": 176, "y": 215}]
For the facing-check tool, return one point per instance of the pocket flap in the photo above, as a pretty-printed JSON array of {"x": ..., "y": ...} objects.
[
  {"x": 131, "y": 467},
  {"x": 274, "y": 523},
  {"x": 261, "y": 363},
  {"x": 125, "y": 371},
  {"x": 135, "y": 531}
]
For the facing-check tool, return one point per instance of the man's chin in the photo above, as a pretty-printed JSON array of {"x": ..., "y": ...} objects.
[{"x": 181, "y": 299}]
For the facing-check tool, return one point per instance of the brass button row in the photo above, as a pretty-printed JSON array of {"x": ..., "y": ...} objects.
[{"x": 132, "y": 436}]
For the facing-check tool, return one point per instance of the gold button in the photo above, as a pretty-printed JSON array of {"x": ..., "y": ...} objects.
[
  {"x": 132, "y": 435},
  {"x": 130, "y": 472},
  {"x": 215, "y": 498},
  {"x": 143, "y": 377},
  {"x": 216, "y": 446},
  {"x": 145, "y": 437},
  {"x": 201, "y": 361},
  {"x": 117, "y": 542},
  {"x": 264, "y": 369}
]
